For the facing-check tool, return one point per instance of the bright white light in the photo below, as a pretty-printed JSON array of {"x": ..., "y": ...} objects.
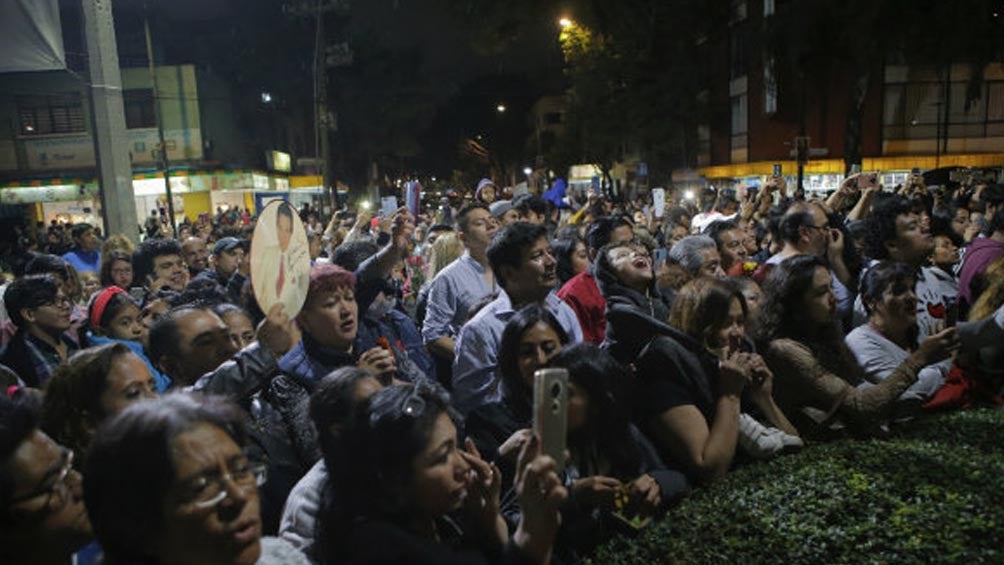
[
  {"x": 527, "y": 171},
  {"x": 500, "y": 108},
  {"x": 364, "y": 204},
  {"x": 29, "y": 128},
  {"x": 689, "y": 194},
  {"x": 565, "y": 23},
  {"x": 266, "y": 97},
  {"x": 433, "y": 179}
]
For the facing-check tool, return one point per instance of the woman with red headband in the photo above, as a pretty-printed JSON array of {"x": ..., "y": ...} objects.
[{"x": 114, "y": 317}]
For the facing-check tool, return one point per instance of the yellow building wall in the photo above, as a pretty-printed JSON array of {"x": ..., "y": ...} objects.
[{"x": 196, "y": 203}]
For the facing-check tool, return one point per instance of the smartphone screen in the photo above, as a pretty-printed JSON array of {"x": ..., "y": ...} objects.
[{"x": 777, "y": 169}]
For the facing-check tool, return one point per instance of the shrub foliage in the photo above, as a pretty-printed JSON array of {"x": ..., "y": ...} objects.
[{"x": 933, "y": 492}]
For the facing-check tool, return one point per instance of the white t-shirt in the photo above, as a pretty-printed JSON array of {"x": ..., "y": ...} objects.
[{"x": 936, "y": 290}]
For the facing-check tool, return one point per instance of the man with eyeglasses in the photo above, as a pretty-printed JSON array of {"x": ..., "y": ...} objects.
[
  {"x": 804, "y": 229},
  {"x": 37, "y": 306},
  {"x": 42, "y": 514},
  {"x": 463, "y": 283}
]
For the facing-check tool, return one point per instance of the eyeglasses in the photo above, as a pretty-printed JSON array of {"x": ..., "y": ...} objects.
[
  {"x": 57, "y": 493},
  {"x": 207, "y": 491}
]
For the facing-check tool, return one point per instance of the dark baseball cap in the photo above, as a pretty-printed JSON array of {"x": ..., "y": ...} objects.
[{"x": 227, "y": 244}]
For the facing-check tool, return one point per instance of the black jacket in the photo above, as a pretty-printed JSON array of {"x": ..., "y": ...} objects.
[{"x": 276, "y": 397}]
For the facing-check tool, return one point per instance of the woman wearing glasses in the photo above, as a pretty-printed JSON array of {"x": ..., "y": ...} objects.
[
  {"x": 169, "y": 482},
  {"x": 42, "y": 516},
  {"x": 411, "y": 494}
]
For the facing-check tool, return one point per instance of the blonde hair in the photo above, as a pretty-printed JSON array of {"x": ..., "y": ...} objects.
[
  {"x": 445, "y": 250},
  {"x": 117, "y": 242},
  {"x": 993, "y": 297}
]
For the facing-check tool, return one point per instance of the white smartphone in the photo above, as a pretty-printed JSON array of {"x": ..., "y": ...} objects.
[
  {"x": 550, "y": 412},
  {"x": 659, "y": 201}
]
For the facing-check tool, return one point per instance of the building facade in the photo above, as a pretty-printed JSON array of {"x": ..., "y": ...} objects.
[
  {"x": 47, "y": 158},
  {"x": 909, "y": 116}
]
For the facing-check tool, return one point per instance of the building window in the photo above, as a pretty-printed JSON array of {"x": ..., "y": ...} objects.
[
  {"x": 139, "y": 110},
  {"x": 916, "y": 111},
  {"x": 769, "y": 87},
  {"x": 53, "y": 114},
  {"x": 739, "y": 114},
  {"x": 768, "y": 8},
  {"x": 737, "y": 51}
]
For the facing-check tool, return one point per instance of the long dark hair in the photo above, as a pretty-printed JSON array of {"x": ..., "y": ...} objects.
[
  {"x": 130, "y": 469},
  {"x": 517, "y": 396},
  {"x": 563, "y": 249},
  {"x": 781, "y": 317},
  {"x": 607, "y": 433},
  {"x": 389, "y": 432}
]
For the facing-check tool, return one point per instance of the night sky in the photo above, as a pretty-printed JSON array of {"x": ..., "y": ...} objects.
[{"x": 228, "y": 34}]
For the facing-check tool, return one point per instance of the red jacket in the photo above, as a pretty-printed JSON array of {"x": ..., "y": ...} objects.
[{"x": 582, "y": 294}]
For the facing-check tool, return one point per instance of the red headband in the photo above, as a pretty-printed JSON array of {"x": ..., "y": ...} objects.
[{"x": 101, "y": 301}]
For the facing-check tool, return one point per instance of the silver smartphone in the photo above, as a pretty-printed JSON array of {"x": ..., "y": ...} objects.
[{"x": 550, "y": 412}]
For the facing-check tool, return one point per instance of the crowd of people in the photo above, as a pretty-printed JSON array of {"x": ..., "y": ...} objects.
[{"x": 151, "y": 412}]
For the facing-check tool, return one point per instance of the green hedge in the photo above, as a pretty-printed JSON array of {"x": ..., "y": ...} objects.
[{"x": 934, "y": 492}]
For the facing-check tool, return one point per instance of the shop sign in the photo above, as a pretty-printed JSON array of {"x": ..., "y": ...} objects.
[
  {"x": 155, "y": 186},
  {"x": 70, "y": 152},
  {"x": 278, "y": 161},
  {"x": 74, "y": 152},
  {"x": 49, "y": 193},
  {"x": 182, "y": 145}
]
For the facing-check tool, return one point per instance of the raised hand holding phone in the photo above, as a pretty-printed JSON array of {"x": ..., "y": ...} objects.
[{"x": 550, "y": 408}]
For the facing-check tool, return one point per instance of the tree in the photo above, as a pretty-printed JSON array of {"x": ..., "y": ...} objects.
[{"x": 633, "y": 74}]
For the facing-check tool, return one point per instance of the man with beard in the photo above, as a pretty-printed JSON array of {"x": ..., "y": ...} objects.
[{"x": 521, "y": 259}]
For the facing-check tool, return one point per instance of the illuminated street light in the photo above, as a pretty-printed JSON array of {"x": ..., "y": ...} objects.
[
  {"x": 565, "y": 23},
  {"x": 266, "y": 97},
  {"x": 500, "y": 108},
  {"x": 527, "y": 171}
]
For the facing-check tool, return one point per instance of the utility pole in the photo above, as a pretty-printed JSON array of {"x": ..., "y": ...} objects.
[
  {"x": 322, "y": 136},
  {"x": 111, "y": 144},
  {"x": 158, "y": 116}
]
